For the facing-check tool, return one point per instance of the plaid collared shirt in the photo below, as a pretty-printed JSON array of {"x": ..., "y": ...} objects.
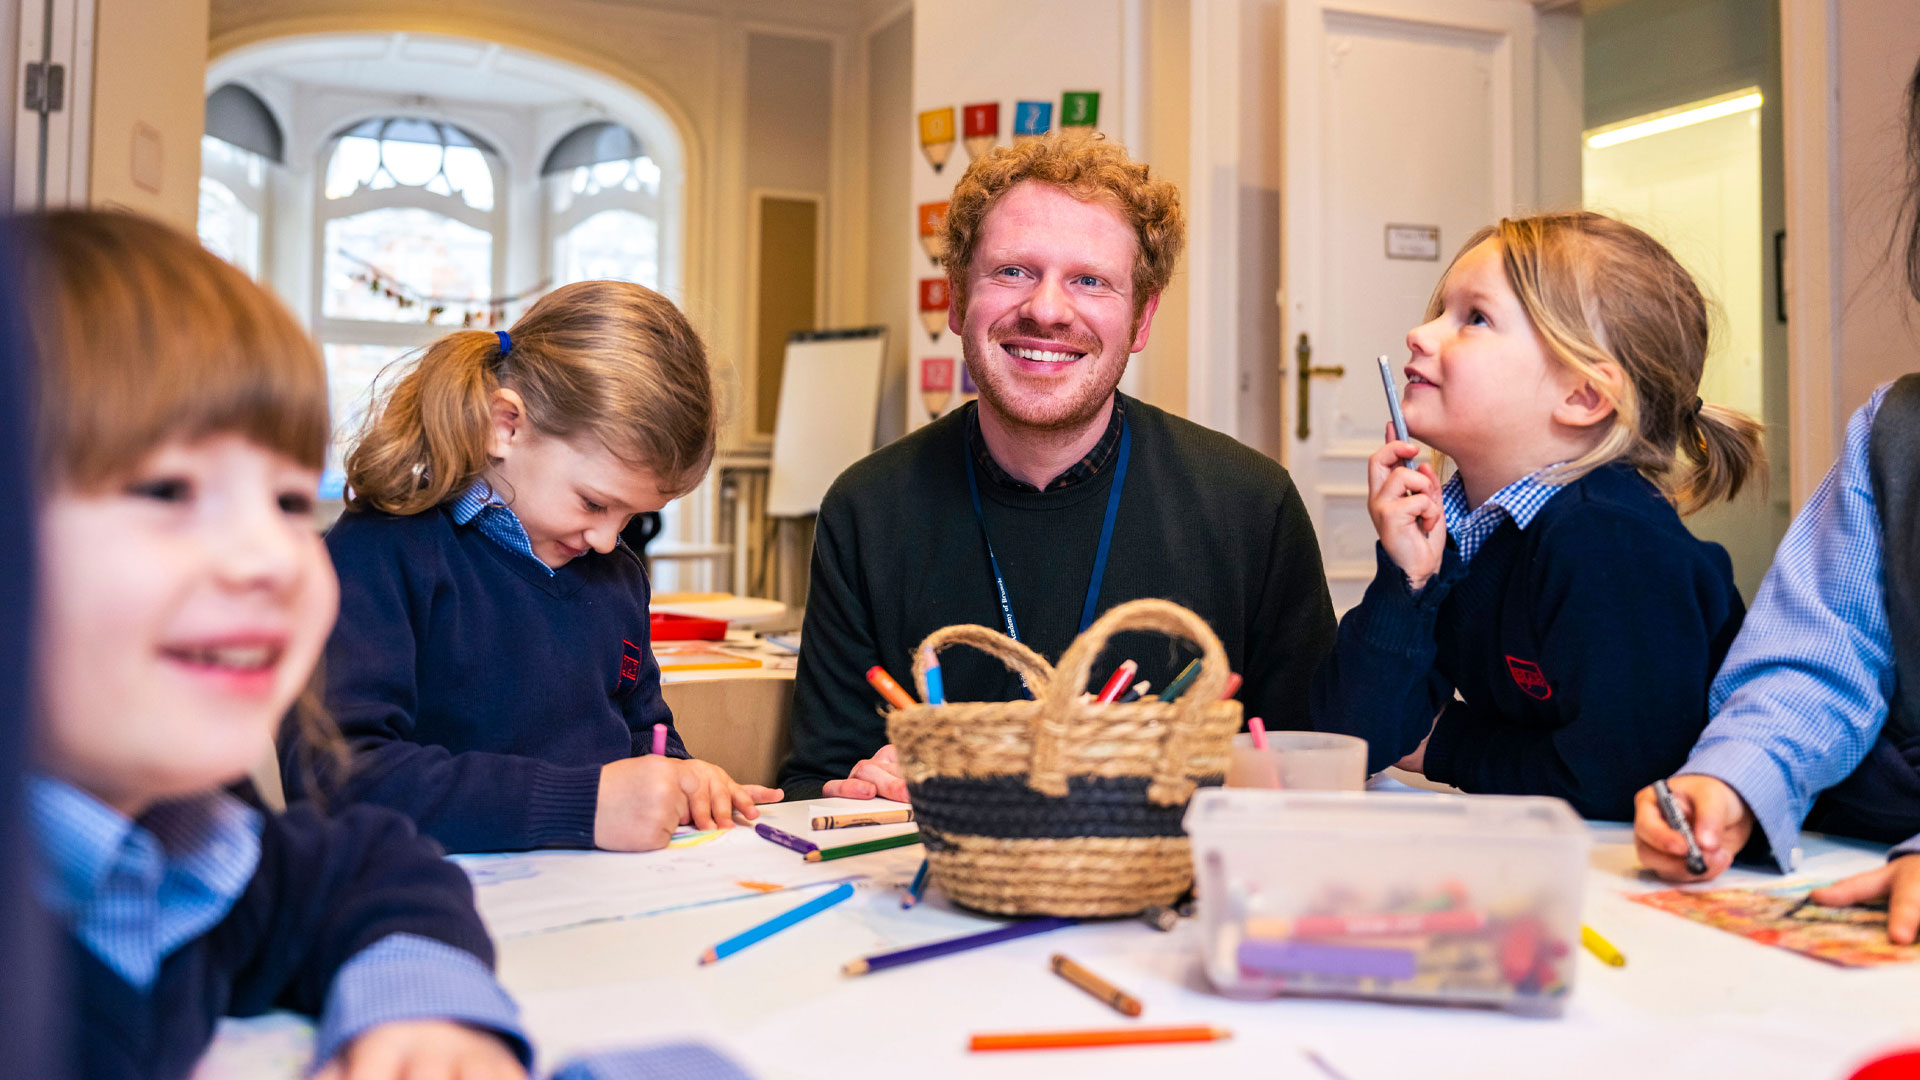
[
  {"x": 496, "y": 521},
  {"x": 1520, "y": 500},
  {"x": 1081, "y": 471}
]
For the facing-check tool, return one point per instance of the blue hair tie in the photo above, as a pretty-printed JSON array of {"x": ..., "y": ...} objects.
[{"x": 506, "y": 341}]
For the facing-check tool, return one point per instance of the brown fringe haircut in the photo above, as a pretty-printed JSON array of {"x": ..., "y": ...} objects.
[
  {"x": 140, "y": 337},
  {"x": 1088, "y": 167},
  {"x": 609, "y": 361},
  {"x": 1601, "y": 292}
]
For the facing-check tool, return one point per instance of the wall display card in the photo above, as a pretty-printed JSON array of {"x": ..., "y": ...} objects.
[
  {"x": 936, "y": 384},
  {"x": 967, "y": 389},
  {"x": 1031, "y": 119},
  {"x": 1080, "y": 108},
  {"x": 933, "y": 305},
  {"x": 936, "y": 136},
  {"x": 982, "y": 127},
  {"x": 933, "y": 230}
]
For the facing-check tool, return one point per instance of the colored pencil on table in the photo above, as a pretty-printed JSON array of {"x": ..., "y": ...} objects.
[
  {"x": 1602, "y": 948},
  {"x": 785, "y": 839},
  {"x": 1117, "y": 682},
  {"x": 1125, "y": 1003},
  {"x": 898, "y": 957},
  {"x": 659, "y": 740},
  {"x": 1259, "y": 731},
  {"x": 778, "y": 923},
  {"x": 918, "y": 887},
  {"x": 862, "y": 848},
  {"x": 1126, "y": 1036},
  {"x": 875, "y": 817},
  {"x": 1181, "y": 681},
  {"x": 883, "y": 682}
]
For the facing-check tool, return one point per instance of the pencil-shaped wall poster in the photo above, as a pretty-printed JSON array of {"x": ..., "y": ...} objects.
[
  {"x": 936, "y": 136},
  {"x": 936, "y": 383},
  {"x": 982, "y": 127},
  {"x": 1031, "y": 119},
  {"x": 1080, "y": 108},
  {"x": 933, "y": 230},
  {"x": 933, "y": 305}
]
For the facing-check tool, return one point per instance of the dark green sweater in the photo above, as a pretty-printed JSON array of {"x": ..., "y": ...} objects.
[{"x": 1204, "y": 521}]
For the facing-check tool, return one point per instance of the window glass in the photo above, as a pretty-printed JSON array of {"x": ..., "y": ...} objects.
[
  {"x": 612, "y": 244},
  {"x": 352, "y": 371},
  {"x": 228, "y": 228},
  {"x": 430, "y": 254}
]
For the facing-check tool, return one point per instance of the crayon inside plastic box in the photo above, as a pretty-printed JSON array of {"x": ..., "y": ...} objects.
[{"x": 1456, "y": 899}]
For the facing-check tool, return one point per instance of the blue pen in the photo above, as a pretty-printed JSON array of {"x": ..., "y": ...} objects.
[
  {"x": 778, "y": 923},
  {"x": 919, "y": 886},
  {"x": 1393, "y": 407},
  {"x": 936, "y": 689}
]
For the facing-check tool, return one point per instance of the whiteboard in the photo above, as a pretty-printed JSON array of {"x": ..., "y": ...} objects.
[{"x": 829, "y": 400}]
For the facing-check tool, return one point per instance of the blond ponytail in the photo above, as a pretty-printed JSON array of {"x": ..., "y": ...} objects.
[
  {"x": 1722, "y": 455},
  {"x": 427, "y": 441}
]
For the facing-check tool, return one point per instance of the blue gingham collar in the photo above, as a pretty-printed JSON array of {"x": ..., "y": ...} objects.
[
  {"x": 1519, "y": 501},
  {"x": 482, "y": 506},
  {"x": 211, "y": 841}
]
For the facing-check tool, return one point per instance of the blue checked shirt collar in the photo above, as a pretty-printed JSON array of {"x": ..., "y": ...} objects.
[
  {"x": 134, "y": 891},
  {"x": 1519, "y": 501},
  {"x": 496, "y": 521}
]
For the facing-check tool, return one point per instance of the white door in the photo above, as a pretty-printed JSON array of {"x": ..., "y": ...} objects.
[{"x": 1414, "y": 118}]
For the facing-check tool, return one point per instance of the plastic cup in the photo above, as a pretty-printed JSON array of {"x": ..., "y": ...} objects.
[{"x": 1300, "y": 761}]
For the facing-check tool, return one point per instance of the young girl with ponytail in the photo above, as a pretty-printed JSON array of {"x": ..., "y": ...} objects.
[
  {"x": 1543, "y": 623},
  {"x": 491, "y": 667}
]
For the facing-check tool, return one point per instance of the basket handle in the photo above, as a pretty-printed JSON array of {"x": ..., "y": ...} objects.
[
  {"x": 1170, "y": 784},
  {"x": 1028, "y": 664}
]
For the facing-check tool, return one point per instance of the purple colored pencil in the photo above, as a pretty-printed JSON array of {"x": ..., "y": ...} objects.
[
  {"x": 659, "y": 740},
  {"x": 918, "y": 953},
  {"x": 785, "y": 839},
  {"x": 1318, "y": 958}
]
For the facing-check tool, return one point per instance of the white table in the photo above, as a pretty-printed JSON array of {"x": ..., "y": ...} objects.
[{"x": 1692, "y": 1002}]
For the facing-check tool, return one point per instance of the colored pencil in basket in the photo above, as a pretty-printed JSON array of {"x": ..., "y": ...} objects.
[
  {"x": 780, "y": 922},
  {"x": 785, "y": 839},
  {"x": 1125, "y": 1036},
  {"x": 883, "y": 682},
  {"x": 864, "y": 847},
  {"x": 898, "y": 957},
  {"x": 876, "y": 817},
  {"x": 918, "y": 887},
  {"x": 936, "y": 685},
  {"x": 1181, "y": 682},
  {"x": 1233, "y": 686},
  {"x": 1124, "y": 1003},
  {"x": 1117, "y": 682},
  {"x": 1134, "y": 693}
]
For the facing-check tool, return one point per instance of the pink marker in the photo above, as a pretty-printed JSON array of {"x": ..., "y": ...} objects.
[
  {"x": 660, "y": 740},
  {"x": 1259, "y": 733}
]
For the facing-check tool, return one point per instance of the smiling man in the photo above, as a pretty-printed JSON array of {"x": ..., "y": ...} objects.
[{"x": 1056, "y": 497}]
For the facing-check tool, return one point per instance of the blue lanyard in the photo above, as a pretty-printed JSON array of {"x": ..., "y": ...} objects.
[{"x": 1087, "y": 609}]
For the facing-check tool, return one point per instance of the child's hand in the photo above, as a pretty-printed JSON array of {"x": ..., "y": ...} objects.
[
  {"x": 1898, "y": 882},
  {"x": 1721, "y": 826},
  {"x": 877, "y": 775},
  {"x": 1405, "y": 507},
  {"x": 421, "y": 1049},
  {"x": 712, "y": 798},
  {"x": 641, "y": 803}
]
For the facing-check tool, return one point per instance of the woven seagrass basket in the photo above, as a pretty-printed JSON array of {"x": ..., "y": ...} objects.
[{"x": 1057, "y": 806}]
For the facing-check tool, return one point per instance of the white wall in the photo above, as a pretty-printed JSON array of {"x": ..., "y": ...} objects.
[
  {"x": 148, "y": 100},
  {"x": 889, "y": 209}
]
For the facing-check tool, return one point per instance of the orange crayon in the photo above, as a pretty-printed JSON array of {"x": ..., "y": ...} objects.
[
  {"x": 1126, "y": 1036},
  {"x": 892, "y": 691}
]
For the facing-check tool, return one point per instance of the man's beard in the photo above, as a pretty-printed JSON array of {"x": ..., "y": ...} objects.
[{"x": 1075, "y": 404}]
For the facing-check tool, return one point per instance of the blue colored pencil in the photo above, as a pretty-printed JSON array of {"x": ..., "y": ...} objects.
[
  {"x": 936, "y": 686},
  {"x": 778, "y": 923},
  {"x": 953, "y": 945},
  {"x": 919, "y": 886},
  {"x": 1393, "y": 407}
]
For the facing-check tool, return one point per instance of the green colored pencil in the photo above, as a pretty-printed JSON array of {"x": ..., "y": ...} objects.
[
  {"x": 863, "y": 847},
  {"x": 1181, "y": 681}
]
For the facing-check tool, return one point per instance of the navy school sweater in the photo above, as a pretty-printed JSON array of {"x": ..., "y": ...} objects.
[
  {"x": 324, "y": 890},
  {"x": 1581, "y": 649},
  {"x": 480, "y": 696}
]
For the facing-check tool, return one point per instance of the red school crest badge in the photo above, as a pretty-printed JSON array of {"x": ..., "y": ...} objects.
[
  {"x": 629, "y": 667},
  {"x": 1529, "y": 678}
]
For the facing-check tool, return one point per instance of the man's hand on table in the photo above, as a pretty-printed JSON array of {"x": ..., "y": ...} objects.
[{"x": 877, "y": 775}]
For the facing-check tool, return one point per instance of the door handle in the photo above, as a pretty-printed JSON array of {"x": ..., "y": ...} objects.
[{"x": 1305, "y": 371}]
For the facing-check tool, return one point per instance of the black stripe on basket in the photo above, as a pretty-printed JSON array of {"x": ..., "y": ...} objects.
[{"x": 1004, "y": 806}]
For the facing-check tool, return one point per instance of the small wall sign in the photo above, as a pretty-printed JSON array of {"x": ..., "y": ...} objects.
[{"x": 1413, "y": 242}]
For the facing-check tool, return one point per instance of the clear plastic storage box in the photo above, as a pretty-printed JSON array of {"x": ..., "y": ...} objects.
[{"x": 1457, "y": 899}]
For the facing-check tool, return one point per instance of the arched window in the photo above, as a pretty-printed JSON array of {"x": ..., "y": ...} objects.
[
  {"x": 410, "y": 232},
  {"x": 603, "y": 206},
  {"x": 242, "y": 137}
]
